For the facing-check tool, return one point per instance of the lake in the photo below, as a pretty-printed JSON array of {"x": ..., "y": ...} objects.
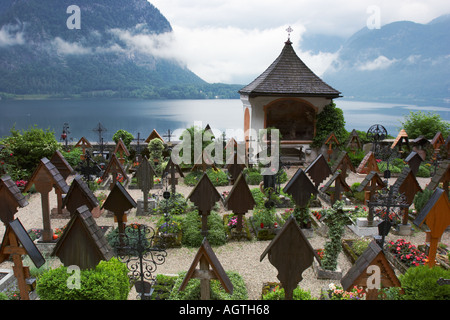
[{"x": 142, "y": 116}]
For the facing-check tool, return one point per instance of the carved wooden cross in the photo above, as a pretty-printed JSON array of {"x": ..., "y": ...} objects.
[{"x": 204, "y": 196}]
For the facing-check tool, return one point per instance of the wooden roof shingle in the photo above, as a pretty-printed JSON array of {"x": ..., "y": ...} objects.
[{"x": 289, "y": 75}]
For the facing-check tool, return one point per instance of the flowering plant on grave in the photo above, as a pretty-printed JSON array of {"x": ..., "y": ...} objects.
[
  {"x": 232, "y": 223},
  {"x": 407, "y": 253},
  {"x": 21, "y": 183},
  {"x": 157, "y": 180},
  {"x": 170, "y": 227},
  {"x": 338, "y": 293}
]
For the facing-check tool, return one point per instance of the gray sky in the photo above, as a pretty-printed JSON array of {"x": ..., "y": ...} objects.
[{"x": 233, "y": 41}]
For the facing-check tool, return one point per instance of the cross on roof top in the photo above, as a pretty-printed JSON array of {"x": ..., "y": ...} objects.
[{"x": 289, "y": 30}]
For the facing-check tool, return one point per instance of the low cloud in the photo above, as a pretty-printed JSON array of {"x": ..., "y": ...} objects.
[
  {"x": 11, "y": 35},
  {"x": 66, "y": 48},
  {"x": 379, "y": 63}
]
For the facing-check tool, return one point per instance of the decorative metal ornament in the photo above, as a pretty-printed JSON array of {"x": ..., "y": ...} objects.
[{"x": 376, "y": 133}]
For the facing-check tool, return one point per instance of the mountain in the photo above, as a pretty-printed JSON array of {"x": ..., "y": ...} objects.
[
  {"x": 116, "y": 51},
  {"x": 401, "y": 61}
]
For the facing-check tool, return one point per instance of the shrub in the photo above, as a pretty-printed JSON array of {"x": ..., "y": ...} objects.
[
  {"x": 277, "y": 293},
  {"x": 253, "y": 178},
  {"x": 126, "y": 137},
  {"x": 192, "y": 290},
  {"x": 217, "y": 177},
  {"x": 420, "y": 283},
  {"x": 73, "y": 156},
  {"x": 421, "y": 199},
  {"x": 192, "y": 230},
  {"x": 175, "y": 205},
  {"x": 163, "y": 287},
  {"x": 108, "y": 281},
  {"x": 424, "y": 171}
]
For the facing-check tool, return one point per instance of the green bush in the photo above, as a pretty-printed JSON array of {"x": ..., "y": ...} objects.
[
  {"x": 126, "y": 137},
  {"x": 192, "y": 230},
  {"x": 278, "y": 294},
  {"x": 175, "y": 205},
  {"x": 108, "y": 281},
  {"x": 424, "y": 171},
  {"x": 253, "y": 178},
  {"x": 421, "y": 199},
  {"x": 73, "y": 156},
  {"x": 192, "y": 290},
  {"x": 217, "y": 177},
  {"x": 163, "y": 287},
  {"x": 420, "y": 283}
]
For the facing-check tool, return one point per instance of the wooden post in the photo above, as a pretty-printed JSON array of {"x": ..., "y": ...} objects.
[{"x": 205, "y": 286}]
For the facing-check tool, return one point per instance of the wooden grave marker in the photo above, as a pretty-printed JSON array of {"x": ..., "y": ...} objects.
[
  {"x": 436, "y": 215},
  {"x": 300, "y": 188},
  {"x": 407, "y": 185},
  {"x": 122, "y": 151},
  {"x": 78, "y": 195},
  {"x": 84, "y": 144},
  {"x": 240, "y": 200},
  {"x": 206, "y": 258},
  {"x": 332, "y": 142},
  {"x": 114, "y": 167},
  {"x": 290, "y": 253},
  {"x": 371, "y": 184},
  {"x": 45, "y": 178},
  {"x": 119, "y": 202},
  {"x": 153, "y": 135},
  {"x": 371, "y": 272},
  {"x": 82, "y": 243},
  {"x": 172, "y": 168},
  {"x": 401, "y": 141},
  {"x": 204, "y": 162},
  {"x": 343, "y": 163},
  {"x": 340, "y": 185},
  {"x": 16, "y": 242},
  {"x": 368, "y": 164},
  {"x": 437, "y": 142},
  {"x": 66, "y": 170},
  {"x": 318, "y": 170},
  {"x": 414, "y": 160},
  {"x": 354, "y": 142},
  {"x": 442, "y": 175},
  {"x": 145, "y": 174},
  {"x": 204, "y": 196},
  {"x": 10, "y": 199}
]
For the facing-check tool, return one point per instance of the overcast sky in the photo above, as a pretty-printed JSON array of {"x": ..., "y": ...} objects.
[{"x": 233, "y": 41}]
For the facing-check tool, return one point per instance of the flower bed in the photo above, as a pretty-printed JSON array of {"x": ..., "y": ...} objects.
[
  {"x": 230, "y": 222},
  {"x": 404, "y": 254},
  {"x": 334, "y": 292}
]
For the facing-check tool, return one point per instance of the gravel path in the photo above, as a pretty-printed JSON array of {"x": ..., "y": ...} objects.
[{"x": 243, "y": 257}]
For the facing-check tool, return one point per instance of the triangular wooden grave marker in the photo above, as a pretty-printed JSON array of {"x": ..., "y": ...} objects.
[
  {"x": 300, "y": 188},
  {"x": 401, "y": 140},
  {"x": 371, "y": 184},
  {"x": 331, "y": 141},
  {"x": 204, "y": 196},
  {"x": 154, "y": 135},
  {"x": 114, "y": 167},
  {"x": 204, "y": 162},
  {"x": 206, "y": 258},
  {"x": 436, "y": 215},
  {"x": 343, "y": 163},
  {"x": 318, "y": 170},
  {"x": 354, "y": 142},
  {"x": 82, "y": 243},
  {"x": 407, "y": 185},
  {"x": 78, "y": 195},
  {"x": 84, "y": 144},
  {"x": 45, "y": 178},
  {"x": 16, "y": 242},
  {"x": 10, "y": 199},
  {"x": 371, "y": 263},
  {"x": 368, "y": 164},
  {"x": 66, "y": 170},
  {"x": 437, "y": 141},
  {"x": 121, "y": 150},
  {"x": 119, "y": 202},
  {"x": 340, "y": 185},
  {"x": 240, "y": 200},
  {"x": 414, "y": 160},
  {"x": 291, "y": 253},
  {"x": 442, "y": 175}
]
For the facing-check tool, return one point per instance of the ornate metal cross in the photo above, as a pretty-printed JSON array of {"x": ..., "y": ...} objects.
[
  {"x": 100, "y": 129},
  {"x": 138, "y": 141},
  {"x": 88, "y": 167},
  {"x": 141, "y": 257},
  {"x": 289, "y": 30}
]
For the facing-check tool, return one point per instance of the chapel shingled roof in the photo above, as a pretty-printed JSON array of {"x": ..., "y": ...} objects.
[{"x": 288, "y": 75}]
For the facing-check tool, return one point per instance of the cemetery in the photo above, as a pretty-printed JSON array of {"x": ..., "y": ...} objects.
[
  {"x": 300, "y": 210},
  {"x": 138, "y": 222}
]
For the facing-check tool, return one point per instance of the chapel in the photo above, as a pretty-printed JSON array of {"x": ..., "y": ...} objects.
[{"x": 286, "y": 96}]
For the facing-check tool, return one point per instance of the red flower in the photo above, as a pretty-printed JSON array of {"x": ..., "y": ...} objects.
[{"x": 262, "y": 225}]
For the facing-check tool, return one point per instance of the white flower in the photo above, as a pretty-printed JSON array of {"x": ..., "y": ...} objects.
[{"x": 331, "y": 286}]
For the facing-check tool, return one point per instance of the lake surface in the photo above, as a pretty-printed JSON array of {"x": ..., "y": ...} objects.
[{"x": 142, "y": 116}]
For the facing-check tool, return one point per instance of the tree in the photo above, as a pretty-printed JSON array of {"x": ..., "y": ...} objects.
[
  {"x": 331, "y": 119},
  {"x": 125, "y": 136},
  {"x": 425, "y": 124}
]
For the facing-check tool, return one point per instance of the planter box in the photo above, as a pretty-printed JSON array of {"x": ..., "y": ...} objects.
[
  {"x": 327, "y": 274},
  {"x": 347, "y": 247},
  {"x": 395, "y": 262},
  {"x": 169, "y": 240},
  {"x": 232, "y": 233}
]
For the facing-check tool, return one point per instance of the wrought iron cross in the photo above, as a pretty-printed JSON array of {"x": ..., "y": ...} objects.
[
  {"x": 168, "y": 135},
  {"x": 100, "y": 129},
  {"x": 289, "y": 30},
  {"x": 89, "y": 167},
  {"x": 387, "y": 200},
  {"x": 141, "y": 256},
  {"x": 138, "y": 141}
]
